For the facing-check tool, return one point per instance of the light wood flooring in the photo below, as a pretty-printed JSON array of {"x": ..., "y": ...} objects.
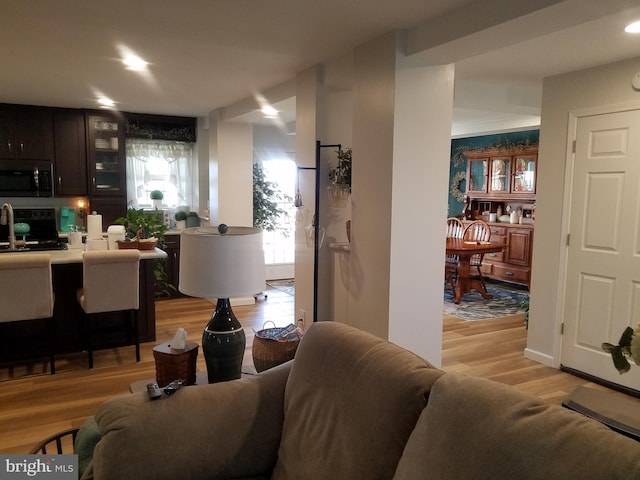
[{"x": 34, "y": 406}]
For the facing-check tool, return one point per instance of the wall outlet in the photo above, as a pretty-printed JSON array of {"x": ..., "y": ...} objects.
[{"x": 302, "y": 318}]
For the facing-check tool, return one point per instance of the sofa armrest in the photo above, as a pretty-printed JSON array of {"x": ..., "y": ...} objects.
[{"x": 223, "y": 430}]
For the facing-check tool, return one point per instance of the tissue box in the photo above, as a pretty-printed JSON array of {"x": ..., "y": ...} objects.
[{"x": 175, "y": 364}]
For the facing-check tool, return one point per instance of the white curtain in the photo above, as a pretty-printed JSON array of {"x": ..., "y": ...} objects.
[{"x": 162, "y": 165}]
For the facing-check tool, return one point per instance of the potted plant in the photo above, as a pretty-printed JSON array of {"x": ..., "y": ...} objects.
[
  {"x": 149, "y": 224},
  {"x": 181, "y": 220},
  {"x": 340, "y": 177},
  {"x": 156, "y": 198},
  {"x": 193, "y": 220},
  {"x": 266, "y": 195}
]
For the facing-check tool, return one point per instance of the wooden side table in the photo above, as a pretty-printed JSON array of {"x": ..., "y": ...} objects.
[{"x": 618, "y": 413}]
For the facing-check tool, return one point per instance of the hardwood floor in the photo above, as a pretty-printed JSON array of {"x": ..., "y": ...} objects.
[{"x": 34, "y": 406}]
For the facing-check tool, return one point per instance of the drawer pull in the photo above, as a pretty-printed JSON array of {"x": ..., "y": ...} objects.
[
  {"x": 493, "y": 255},
  {"x": 510, "y": 274}
]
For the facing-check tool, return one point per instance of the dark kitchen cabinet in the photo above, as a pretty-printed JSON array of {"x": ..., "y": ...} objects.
[
  {"x": 70, "y": 153},
  {"x": 26, "y": 132},
  {"x": 111, "y": 208},
  {"x": 106, "y": 167},
  {"x": 106, "y": 155},
  {"x": 172, "y": 266}
]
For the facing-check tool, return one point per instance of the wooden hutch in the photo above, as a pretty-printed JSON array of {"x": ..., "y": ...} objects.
[{"x": 501, "y": 181}]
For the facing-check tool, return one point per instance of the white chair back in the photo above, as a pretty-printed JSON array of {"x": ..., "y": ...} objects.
[
  {"x": 110, "y": 280},
  {"x": 26, "y": 287}
]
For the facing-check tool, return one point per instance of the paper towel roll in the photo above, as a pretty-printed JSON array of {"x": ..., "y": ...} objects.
[{"x": 94, "y": 226}]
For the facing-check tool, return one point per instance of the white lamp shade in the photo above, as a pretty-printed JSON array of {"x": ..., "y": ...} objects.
[{"x": 213, "y": 265}]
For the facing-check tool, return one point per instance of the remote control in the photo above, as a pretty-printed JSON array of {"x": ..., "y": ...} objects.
[
  {"x": 173, "y": 386},
  {"x": 154, "y": 391}
]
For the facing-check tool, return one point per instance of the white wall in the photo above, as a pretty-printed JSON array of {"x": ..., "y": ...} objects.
[
  {"x": 373, "y": 119},
  {"x": 231, "y": 173},
  {"x": 306, "y": 124},
  {"x": 596, "y": 87},
  {"x": 423, "y": 111}
]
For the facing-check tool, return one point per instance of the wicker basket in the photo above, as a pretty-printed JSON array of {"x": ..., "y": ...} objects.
[
  {"x": 136, "y": 244},
  {"x": 175, "y": 364},
  {"x": 268, "y": 353}
]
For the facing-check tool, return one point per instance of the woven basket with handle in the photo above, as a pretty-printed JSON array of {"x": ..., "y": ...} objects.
[{"x": 268, "y": 353}]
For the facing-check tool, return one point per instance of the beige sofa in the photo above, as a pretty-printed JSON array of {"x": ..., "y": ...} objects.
[{"x": 352, "y": 406}]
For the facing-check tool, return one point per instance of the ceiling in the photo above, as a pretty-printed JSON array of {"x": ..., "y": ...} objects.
[{"x": 210, "y": 54}]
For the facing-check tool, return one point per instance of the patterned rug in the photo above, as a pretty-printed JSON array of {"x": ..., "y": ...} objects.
[
  {"x": 472, "y": 307},
  {"x": 286, "y": 286}
]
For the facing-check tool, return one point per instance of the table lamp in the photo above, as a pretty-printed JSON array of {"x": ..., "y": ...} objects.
[{"x": 222, "y": 263}]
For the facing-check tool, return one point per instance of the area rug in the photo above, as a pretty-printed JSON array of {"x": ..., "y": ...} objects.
[
  {"x": 473, "y": 307},
  {"x": 286, "y": 286}
]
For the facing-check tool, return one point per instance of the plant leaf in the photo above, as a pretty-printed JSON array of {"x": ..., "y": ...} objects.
[
  {"x": 627, "y": 336},
  {"x": 619, "y": 360},
  {"x": 607, "y": 347}
]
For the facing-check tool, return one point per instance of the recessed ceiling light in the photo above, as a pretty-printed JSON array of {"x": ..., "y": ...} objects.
[
  {"x": 269, "y": 111},
  {"x": 106, "y": 102},
  {"x": 134, "y": 62},
  {"x": 633, "y": 27}
]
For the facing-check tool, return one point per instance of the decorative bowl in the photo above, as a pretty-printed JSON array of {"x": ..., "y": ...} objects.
[{"x": 21, "y": 228}]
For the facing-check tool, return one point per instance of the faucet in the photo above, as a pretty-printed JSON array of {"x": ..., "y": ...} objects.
[{"x": 7, "y": 208}]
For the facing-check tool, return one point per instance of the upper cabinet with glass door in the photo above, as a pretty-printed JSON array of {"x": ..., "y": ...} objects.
[
  {"x": 500, "y": 169},
  {"x": 477, "y": 175},
  {"x": 524, "y": 174},
  {"x": 106, "y": 160},
  {"x": 501, "y": 174}
]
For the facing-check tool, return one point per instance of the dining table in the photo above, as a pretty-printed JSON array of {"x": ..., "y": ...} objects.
[{"x": 465, "y": 249}]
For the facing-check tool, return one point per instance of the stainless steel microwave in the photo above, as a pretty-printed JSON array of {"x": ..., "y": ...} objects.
[{"x": 26, "y": 178}]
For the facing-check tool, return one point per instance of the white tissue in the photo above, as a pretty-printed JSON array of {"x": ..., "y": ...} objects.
[{"x": 180, "y": 340}]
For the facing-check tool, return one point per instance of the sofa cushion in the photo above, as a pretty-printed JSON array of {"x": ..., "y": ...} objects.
[
  {"x": 351, "y": 403},
  {"x": 224, "y": 430},
  {"x": 478, "y": 429}
]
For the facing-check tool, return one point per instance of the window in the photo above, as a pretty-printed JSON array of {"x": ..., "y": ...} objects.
[
  {"x": 279, "y": 246},
  {"x": 165, "y": 165}
]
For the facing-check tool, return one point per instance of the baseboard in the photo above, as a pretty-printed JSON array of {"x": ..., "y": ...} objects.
[{"x": 538, "y": 357}]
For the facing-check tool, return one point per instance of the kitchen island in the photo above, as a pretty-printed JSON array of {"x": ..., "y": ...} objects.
[{"x": 66, "y": 269}]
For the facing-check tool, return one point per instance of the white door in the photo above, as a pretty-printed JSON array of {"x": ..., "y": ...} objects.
[{"x": 603, "y": 264}]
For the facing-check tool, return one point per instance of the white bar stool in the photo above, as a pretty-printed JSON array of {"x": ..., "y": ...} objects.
[
  {"x": 27, "y": 292},
  {"x": 110, "y": 284}
]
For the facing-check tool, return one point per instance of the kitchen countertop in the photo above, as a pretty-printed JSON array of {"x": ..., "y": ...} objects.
[{"x": 74, "y": 255}]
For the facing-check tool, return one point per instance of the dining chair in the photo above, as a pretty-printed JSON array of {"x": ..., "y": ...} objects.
[
  {"x": 27, "y": 290},
  {"x": 455, "y": 229},
  {"x": 479, "y": 231},
  {"x": 110, "y": 284}
]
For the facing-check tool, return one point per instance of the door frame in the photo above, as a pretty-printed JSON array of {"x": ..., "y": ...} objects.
[{"x": 574, "y": 117}]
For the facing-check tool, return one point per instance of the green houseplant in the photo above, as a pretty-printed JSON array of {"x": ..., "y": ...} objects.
[
  {"x": 156, "y": 198},
  {"x": 340, "y": 176},
  {"x": 266, "y": 198},
  {"x": 193, "y": 220},
  {"x": 181, "y": 219},
  {"x": 149, "y": 224}
]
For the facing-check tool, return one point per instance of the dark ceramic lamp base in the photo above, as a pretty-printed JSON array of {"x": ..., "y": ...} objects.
[{"x": 223, "y": 344}]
